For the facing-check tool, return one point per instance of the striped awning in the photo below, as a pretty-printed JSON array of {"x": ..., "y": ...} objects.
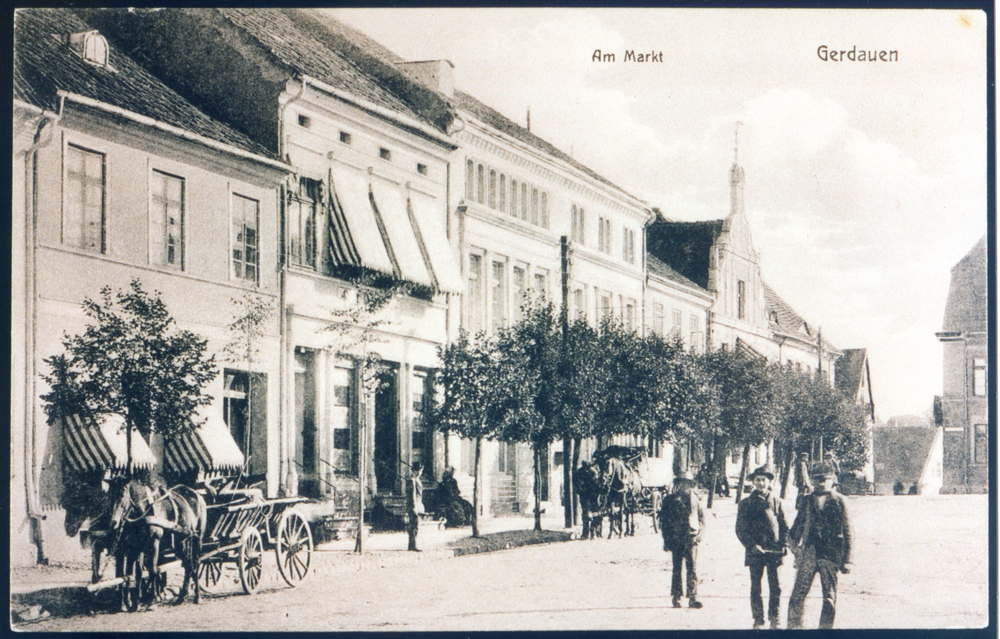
[
  {"x": 90, "y": 446},
  {"x": 389, "y": 204},
  {"x": 429, "y": 219},
  {"x": 209, "y": 448},
  {"x": 352, "y": 191}
]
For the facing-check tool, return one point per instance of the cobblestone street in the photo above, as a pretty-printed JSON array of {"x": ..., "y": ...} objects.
[{"x": 920, "y": 562}]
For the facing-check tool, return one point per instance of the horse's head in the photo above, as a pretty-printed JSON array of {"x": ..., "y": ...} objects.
[{"x": 84, "y": 499}]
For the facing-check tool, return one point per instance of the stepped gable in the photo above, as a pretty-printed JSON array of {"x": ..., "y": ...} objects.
[
  {"x": 45, "y": 64},
  {"x": 684, "y": 246}
]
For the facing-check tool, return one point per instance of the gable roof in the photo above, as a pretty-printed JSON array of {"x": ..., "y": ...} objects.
[
  {"x": 851, "y": 367},
  {"x": 788, "y": 321},
  {"x": 684, "y": 246},
  {"x": 966, "y": 309},
  {"x": 45, "y": 64},
  {"x": 901, "y": 453},
  {"x": 657, "y": 267}
]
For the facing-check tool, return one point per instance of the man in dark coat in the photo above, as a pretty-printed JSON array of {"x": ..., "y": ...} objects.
[
  {"x": 821, "y": 540},
  {"x": 682, "y": 521},
  {"x": 414, "y": 505},
  {"x": 763, "y": 530}
]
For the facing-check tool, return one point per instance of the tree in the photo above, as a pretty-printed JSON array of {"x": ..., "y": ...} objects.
[
  {"x": 131, "y": 361},
  {"x": 476, "y": 399},
  {"x": 252, "y": 313}
]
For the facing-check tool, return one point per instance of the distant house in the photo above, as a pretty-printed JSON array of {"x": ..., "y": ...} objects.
[
  {"x": 909, "y": 456},
  {"x": 964, "y": 403},
  {"x": 853, "y": 380}
]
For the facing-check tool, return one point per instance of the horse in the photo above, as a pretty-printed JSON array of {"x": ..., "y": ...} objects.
[
  {"x": 145, "y": 516},
  {"x": 623, "y": 489}
]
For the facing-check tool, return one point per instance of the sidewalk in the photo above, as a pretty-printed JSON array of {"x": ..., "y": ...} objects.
[{"x": 379, "y": 549}]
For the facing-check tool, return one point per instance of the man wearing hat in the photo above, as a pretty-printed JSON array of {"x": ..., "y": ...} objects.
[
  {"x": 682, "y": 521},
  {"x": 763, "y": 530},
  {"x": 821, "y": 541}
]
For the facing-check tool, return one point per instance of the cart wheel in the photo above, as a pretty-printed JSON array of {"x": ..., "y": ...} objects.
[
  {"x": 294, "y": 547},
  {"x": 210, "y": 574},
  {"x": 251, "y": 556},
  {"x": 657, "y": 501}
]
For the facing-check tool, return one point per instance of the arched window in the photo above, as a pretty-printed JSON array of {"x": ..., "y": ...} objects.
[
  {"x": 480, "y": 184},
  {"x": 513, "y": 198},
  {"x": 534, "y": 206},
  {"x": 470, "y": 180},
  {"x": 503, "y": 193},
  {"x": 95, "y": 49},
  {"x": 524, "y": 201},
  {"x": 545, "y": 210},
  {"x": 493, "y": 189}
]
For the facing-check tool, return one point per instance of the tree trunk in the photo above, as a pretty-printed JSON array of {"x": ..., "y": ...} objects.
[
  {"x": 362, "y": 472},
  {"x": 789, "y": 460},
  {"x": 538, "y": 485},
  {"x": 475, "y": 488},
  {"x": 743, "y": 472},
  {"x": 576, "y": 464},
  {"x": 713, "y": 470},
  {"x": 567, "y": 483}
]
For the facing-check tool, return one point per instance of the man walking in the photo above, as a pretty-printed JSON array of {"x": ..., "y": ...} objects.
[
  {"x": 682, "y": 521},
  {"x": 821, "y": 541},
  {"x": 763, "y": 530}
]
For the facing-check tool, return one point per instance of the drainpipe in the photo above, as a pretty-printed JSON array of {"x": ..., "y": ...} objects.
[
  {"x": 45, "y": 126},
  {"x": 285, "y": 476}
]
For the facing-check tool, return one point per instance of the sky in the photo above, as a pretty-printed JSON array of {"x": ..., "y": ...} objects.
[{"x": 866, "y": 182}]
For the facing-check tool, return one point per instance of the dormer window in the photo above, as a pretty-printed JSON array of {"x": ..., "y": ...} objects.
[{"x": 91, "y": 46}]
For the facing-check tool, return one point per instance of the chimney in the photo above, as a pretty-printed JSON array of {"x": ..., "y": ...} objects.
[{"x": 436, "y": 74}]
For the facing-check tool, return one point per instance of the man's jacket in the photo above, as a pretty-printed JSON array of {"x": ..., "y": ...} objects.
[
  {"x": 682, "y": 521},
  {"x": 760, "y": 522},
  {"x": 827, "y": 529}
]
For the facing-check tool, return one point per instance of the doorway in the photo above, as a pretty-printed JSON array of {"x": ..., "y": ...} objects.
[{"x": 386, "y": 454}]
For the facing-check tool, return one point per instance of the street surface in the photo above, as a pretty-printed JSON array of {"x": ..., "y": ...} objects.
[{"x": 920, "y": 562}]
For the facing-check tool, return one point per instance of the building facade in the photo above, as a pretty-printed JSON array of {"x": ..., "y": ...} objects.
[
  {"x": 111, "y": 187},
  {"x": 965, "y": 398}
]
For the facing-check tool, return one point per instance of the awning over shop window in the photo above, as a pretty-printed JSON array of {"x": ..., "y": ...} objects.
[
  {"x": 389, "y": 203},
  {"x": 429, "y": 216},
  {"x": 351, "y": 190},
  {"x": 90, "y": 446},
  {"x": 209, "y": 448}
]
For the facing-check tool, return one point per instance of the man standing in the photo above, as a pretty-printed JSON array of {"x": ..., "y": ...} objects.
[
  {"x": 414, "y": 504},
  {"x": 682, "y": 521},
  {"x": 821, "y": 541},
  {"x": 763, "y": 530}
]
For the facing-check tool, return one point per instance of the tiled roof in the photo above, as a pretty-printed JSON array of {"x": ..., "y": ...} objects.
[
  {"x": 360, "y": 43},
  {"x": 900, "y": 453},
  {"x": 320, "y": 47},
  {"x": 684, "y": 246},
  {"x": 966, "y": 309},
  {"x": 788, "y": 320},
  {"x": 45, "y": 64},
  {"x": 657, "y": 267},
  {"x": 849, "y": 371}
]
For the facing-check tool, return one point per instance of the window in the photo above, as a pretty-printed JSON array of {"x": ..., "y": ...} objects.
[
  {"x": 502, "y": 205},
  {"x": 513, "y": 197},
  {"x": 385, "y": 154},
  {"x": 493, "y": 189},
  {"x": 628, "y": 245},
  {"x": 167, "y": 220},
  {"x": 677, "y": 322},
  {"x": 421, "y": 443},
  {"x": 244, "y": 411},
  {"x": 524, "y": 201},
  {"x": 605, "y": 305},
  {"x": 245, "y": 240},
  {"x": 981, "y": 449},
  {"x": 519, "y": 289},
  {"x": 480, "y": 184},
  {"x": 302, "y": 224},
  {"x": 581, "y": 304},
  {"x": 658, "y": 319},
  {"x": 340, "y": 417},
  {"x": 304, "y": 121},
  {"x": 91, "y": 46},
  {"x": 498, "y": 289},
  {"x": 979, "y": 377},
  {"x": 542, "y": 284},
  {"x": 604, "y": 235},
  {"x": 421, "y": 168},
  {"x": 475, "y": 293},
  {"x": 629, "y": 315},
  {"x": 345, "y": 137},
  {"x": 741, "y": 299},
  {"x": 83, "y": 218},
  {"x": 470, "y": 180},
  {"x": 545, "y": 210},
  {"x": 534, "y": 206},
  {"x": 576, "y": 230},
  {"x": 507, "y": 458}
]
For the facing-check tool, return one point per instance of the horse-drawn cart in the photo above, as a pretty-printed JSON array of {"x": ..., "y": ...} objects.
[{"x": 626, "y": 482}]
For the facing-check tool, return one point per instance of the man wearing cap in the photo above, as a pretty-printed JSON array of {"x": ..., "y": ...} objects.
[
  {"x": 821, "y": 541},
  {"x": 682, "y": 521},
  {"x": 763, "y": 530}
]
